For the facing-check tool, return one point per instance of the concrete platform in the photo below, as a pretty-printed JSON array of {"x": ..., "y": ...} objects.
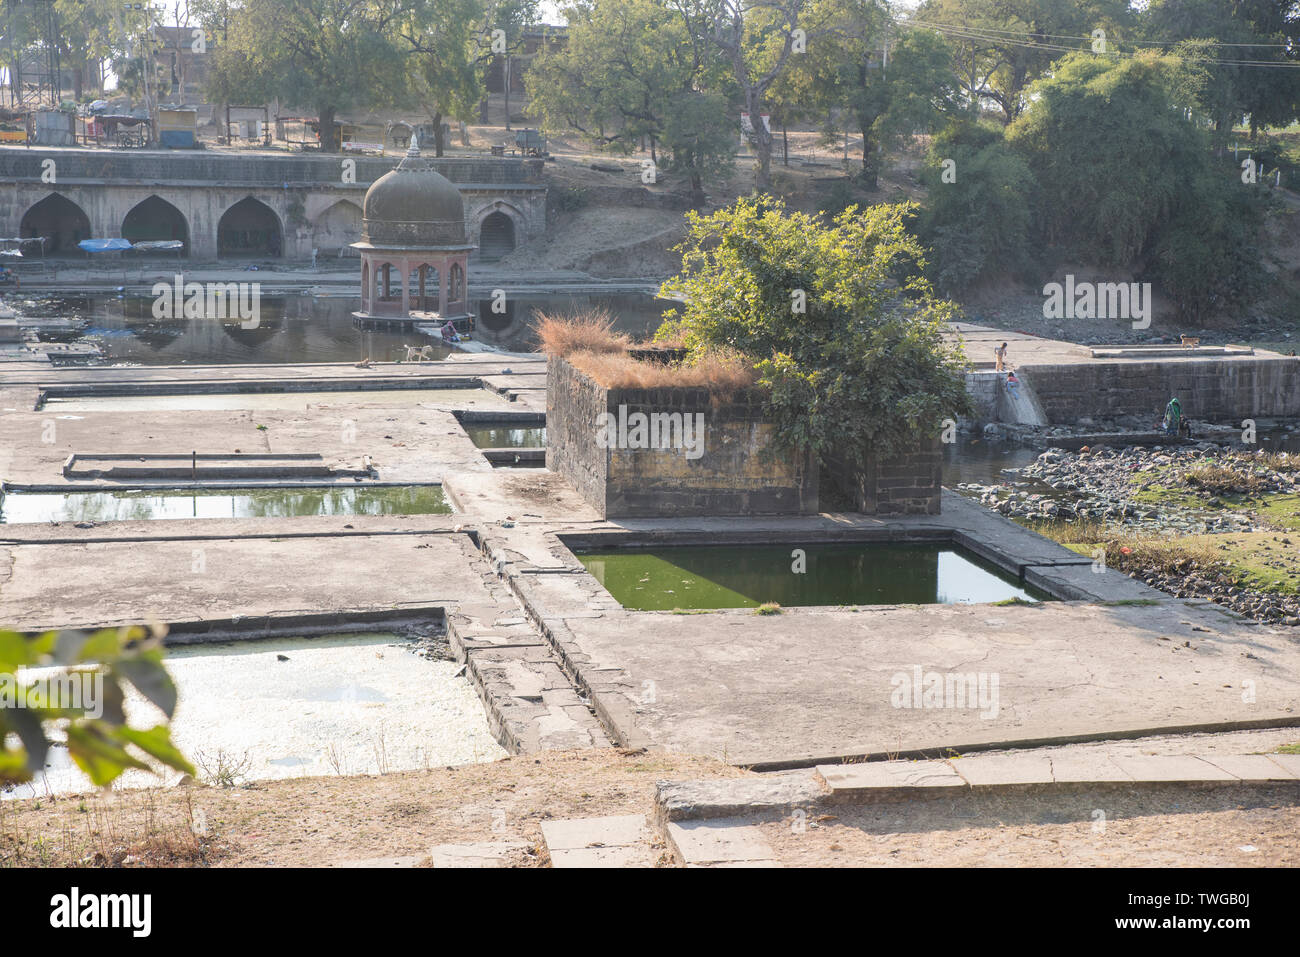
[{"x": 817, "y": 684}]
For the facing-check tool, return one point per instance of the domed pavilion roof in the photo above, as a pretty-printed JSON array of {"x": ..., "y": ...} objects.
[{"x": 413, "y": 206}]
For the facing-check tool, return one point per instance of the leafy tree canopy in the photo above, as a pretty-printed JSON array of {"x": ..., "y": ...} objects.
[{"x": 841, "y": 324}]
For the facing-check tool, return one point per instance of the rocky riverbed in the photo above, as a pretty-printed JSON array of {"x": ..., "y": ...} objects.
[
  {"x": 1196, "y": 521},
  {"x": 1157, "y": 489}
]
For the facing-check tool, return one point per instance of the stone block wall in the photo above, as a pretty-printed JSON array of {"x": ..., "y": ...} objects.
[
  {"x": 736, "y": 474},
  {"x": 1215, "y": 389}
]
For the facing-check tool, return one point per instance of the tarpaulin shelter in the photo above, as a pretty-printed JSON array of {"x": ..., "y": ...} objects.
[{"x": 104, "y": 245}]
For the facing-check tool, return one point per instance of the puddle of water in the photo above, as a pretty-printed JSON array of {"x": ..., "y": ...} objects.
[
  {"x": 975, "y": 461},
  {"x": 281, "y": 401},
  {"x": 355, "y": 704},
  {"x": 505, "y": 437},
  {"x": 121, "y": 505},
  {"x": 725, "y": 576},
  {"x": 309, "y": 329}
]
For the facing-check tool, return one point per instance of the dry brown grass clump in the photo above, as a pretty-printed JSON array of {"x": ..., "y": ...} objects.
[
  {"x": 1216, "y": 478},
  {"x": 586, "y": 332},
  {"x": 722, "y": 375},
  {"x": 1170, "y": 556}
]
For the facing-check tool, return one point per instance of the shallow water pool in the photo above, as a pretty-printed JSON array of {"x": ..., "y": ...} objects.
[
  {"x": 130, "y": 505},
  {"x": 745, "y": 576}
]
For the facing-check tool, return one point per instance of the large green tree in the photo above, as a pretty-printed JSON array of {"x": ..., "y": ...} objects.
[
  {"x": 891, "y": 85},
  {"x": 758, "y": 41},
  {"x": 1156, "y": 202},
  {"x": 839, "y": 321},
  {"x": 451, "y": 43},
  {"x": 978, "y": 218},
  {"x": 1002, "y": 46},
  {"x": 631, "y": 72},
  {"x": 1246, "y": 48},
  {"x": 333, "y": 55}
]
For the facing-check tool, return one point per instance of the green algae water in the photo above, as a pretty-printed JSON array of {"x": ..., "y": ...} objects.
[
  {"x": 745, "y": 576},
  {"x": 130, "y": 505},
  {"x": 504, "y": 437}
]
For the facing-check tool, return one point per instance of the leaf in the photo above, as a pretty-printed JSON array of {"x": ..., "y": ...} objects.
[
  {"x": 101, "y": 758},
  {"x": 157, "y": 743},
  {"x": 15, "y": 650},
  {"x": 150, "y": 678},
  {"x": 26, "y": 723}
]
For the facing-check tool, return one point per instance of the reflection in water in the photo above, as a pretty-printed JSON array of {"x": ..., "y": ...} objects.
[
  {"x": 636, "y": 315},
  {"x": 307, "y": 329},
  {"x": 124, "y": 505},
  {"x": 503, "y": 437},
  {"x": 976, "y": 461},
  {"x": 724, "y": 576}
]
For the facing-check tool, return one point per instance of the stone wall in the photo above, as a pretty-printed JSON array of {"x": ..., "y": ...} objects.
[
  {"x": 573, "y": 406},
  {"x": 223, "y": 169},
  {"x": 910, "y": 484},
  {"x": 106, "y": 186},
  {"x": 1215, "y": 389},
  {"x": 734, "y": 475}
]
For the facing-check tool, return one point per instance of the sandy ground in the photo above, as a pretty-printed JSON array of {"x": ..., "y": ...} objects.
[
  {"x": 1164, "y": 827},
  {"x": 329, "y": 820},
  {"x": 325, "y": 820}
]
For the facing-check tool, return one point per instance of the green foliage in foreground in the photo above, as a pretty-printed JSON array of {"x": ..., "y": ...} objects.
[
  {"x": 90, "y": 720},
  {"x": 840, "y": 323}
]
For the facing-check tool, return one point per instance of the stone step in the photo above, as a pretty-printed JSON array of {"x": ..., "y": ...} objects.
[
  {"x": 482, "y": 854},
  {"x": 719, "y": 842},
  {"x": 617, "y": 841}
]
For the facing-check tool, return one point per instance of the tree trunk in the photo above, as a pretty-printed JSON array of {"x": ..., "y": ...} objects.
[
  {"x": 870, "y": 163},
  {"x": 785, "y": 144},
  {"x": 328, "y": 141},
  {"x": 697, "y": 189},
  {"x": 761, "y": 139},
  {"x": 437, "y": 135}
]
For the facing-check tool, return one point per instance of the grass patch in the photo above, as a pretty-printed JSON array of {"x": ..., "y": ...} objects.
[
  {"x": 591, "y": 332},
  {"x": 768, "y": 608},
  {"x": 1218, "y": 478},
  {"x": 691, "y": 611},
  {"x": 1282, "y": 511},
  {"x": 1289, "y": 748},
  {"x": 1131, "y": 603},
  {"x": 1017, "y": 600}
]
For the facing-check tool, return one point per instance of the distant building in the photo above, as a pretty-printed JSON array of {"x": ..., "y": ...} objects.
[{"x": 183, "y": 63}]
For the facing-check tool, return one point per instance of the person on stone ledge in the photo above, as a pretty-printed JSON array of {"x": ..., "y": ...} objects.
[
  {"x": 1000, "y": 357},
  {"x": 1013, "y": 384}
]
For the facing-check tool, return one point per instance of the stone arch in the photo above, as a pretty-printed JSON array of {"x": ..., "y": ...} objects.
[
  {"x": 59, "y": 218},
  {"x": 154, "y": 219},
  {"x": 496, "y": 235},
  {"x": 250, "y": 228},
  {"x": 334, "y": 230}
]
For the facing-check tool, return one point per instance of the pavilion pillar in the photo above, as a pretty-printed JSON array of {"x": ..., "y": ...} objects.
[
  {"x": 442, "y": 287},
  {"x": 406, "y": 287}
]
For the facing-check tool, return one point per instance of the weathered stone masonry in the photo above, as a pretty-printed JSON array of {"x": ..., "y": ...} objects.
[{"x": 732, "y": 477}]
